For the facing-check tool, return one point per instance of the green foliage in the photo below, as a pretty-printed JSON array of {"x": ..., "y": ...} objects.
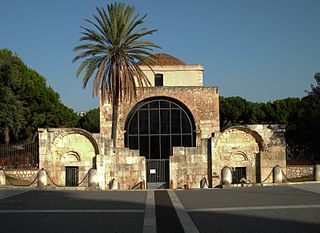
[
  {"x": 305, "y": 132},
  {"x": 90, "y": 121},
  {"x": 26, "y": 101},
  {"x": 11, "y": 107},
  {"x": 112, "y": 46},
  {"x": 236, "y": 110}
]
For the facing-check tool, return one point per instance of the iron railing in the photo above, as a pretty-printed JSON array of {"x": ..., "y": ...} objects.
[{"x": 19, "y": 156}]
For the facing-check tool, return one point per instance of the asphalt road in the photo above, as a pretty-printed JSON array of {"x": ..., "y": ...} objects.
[{"x": 262, "y": 209}]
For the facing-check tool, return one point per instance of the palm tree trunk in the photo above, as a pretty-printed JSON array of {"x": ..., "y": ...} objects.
[
  {"x": 115, "y": 107},
  {"x": 6, "y": 135}
]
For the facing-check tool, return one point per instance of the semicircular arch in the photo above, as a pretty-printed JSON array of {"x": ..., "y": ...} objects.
[
  {"x": 245, "y": 129},
  {"x": 80, "y": 132}
]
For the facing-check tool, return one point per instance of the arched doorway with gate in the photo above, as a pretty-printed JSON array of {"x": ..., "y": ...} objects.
[{"x": 154, "y": 127}]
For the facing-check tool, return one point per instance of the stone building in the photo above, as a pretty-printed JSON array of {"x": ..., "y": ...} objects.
[{"x": 169, "y": 136}]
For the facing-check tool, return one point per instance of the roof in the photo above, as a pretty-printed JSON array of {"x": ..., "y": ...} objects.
[{"x": 168, "y": 60}]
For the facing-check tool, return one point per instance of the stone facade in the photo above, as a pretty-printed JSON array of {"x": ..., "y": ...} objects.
[
  {"x": 122, "y": 166},
  {"x": 236, "y": 147},
  {"x": 203, "y": 103},
  {"x": 252, "y": 150},
  {"x": 258, "y": 148},
  {"x": 61, "y": 148},
  {"x": 188, "y": 165}
]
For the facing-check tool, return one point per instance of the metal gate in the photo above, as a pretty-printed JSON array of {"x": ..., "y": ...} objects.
[
  {"x": 157, "y": 173},
  {"x": 72, "y": 176},
  {"x": 239, "y": 175}
]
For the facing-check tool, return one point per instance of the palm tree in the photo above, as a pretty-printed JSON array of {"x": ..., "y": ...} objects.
[{"x": 113, "y": 47}]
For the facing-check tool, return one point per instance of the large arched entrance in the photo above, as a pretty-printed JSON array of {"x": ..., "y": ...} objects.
[{"x": 154, "y": 127}]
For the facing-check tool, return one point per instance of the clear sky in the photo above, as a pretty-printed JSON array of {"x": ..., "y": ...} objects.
[{"x": 261, "y": 50}]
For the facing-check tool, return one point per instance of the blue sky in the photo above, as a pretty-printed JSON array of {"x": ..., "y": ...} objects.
[{"x": 261, "y": 50}]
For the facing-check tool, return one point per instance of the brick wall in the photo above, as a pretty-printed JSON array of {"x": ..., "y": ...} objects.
[{"x": 203, "y": 103}]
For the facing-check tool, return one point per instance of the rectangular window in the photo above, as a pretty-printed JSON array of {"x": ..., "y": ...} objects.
[{"x": 158, "y": 80}]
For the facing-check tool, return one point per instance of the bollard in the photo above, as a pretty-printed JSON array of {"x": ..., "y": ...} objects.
[
  {"x": 42, "y": 179},
  {"x": 93, "y": 179},
  {"x": 113, "y": 184},
  {"x": 203, "y": 183},
  {"x": 277, "y": 174},
  {"x": 2, "y": 178},
  {"x": 316, "y": 172},
  {"x": 226, "y": 176}
]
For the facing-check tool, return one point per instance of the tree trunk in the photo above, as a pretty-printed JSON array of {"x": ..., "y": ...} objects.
[
  {"x": 6, "y": 135},
  {"x": 115, "y": 107}
]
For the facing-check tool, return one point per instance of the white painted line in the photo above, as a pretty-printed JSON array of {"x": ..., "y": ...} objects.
[
  {"x": 183, "y": 216},
  {"x": 68, "y": 211},
  {"x": 149, "y": 225},
  {"x": 278, "y": 207}
]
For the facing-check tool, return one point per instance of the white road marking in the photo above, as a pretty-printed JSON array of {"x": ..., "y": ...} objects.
[
  {"x": 68, "y": 211},
  {"x": 278, "y": 207},
  {"x": 149, "y": 225},
  {"x": 183, "y": 216}
]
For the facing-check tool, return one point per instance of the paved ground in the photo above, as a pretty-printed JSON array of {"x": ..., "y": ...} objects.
[{"x": 294, "y": 208}]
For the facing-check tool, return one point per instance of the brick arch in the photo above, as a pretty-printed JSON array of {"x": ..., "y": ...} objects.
[
  {"x": 203, "y": 103},
  {"x": 82, "y": 132},
  {"x": 178, "y": 102},
  {"x": 253, "y": 133}
]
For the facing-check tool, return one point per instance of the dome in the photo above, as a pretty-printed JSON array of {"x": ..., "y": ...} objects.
[{"x": 167, "y": 60}]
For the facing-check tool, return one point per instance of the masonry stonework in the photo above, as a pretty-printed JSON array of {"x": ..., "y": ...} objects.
[
  {"x": 203, "y": 103},
  {"x": 252, "y": 149}
]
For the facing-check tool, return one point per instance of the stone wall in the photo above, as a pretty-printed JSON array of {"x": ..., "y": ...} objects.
[
  {"x": 299, "y": 171},
  {"x": 60, "y": 148},
  {"x": 23, "y": 174},
  {"x": 236, "y": 147},
  {"x": 274, "y": 149},
  {"x": 188, "y": 165},
  {"x": 203, "y": 103},
  {"x": 258, "y": 148},
  {"x": 125, "y": 166}
]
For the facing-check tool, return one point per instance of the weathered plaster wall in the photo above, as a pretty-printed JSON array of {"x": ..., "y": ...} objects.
[
  {"x": 235, "y": 147},
  {"x": 203, "y": 103},
  {"x": 176, "y": 75},
  {"x": 66, "y": 147}
]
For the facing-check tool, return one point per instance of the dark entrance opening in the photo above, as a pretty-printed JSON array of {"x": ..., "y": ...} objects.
[
  {"x": 239, "y": 175},
  {"x": 72, "y": 176},
  {"x": 157, "y": 173},
  {"x": 154, "y": 127}
]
